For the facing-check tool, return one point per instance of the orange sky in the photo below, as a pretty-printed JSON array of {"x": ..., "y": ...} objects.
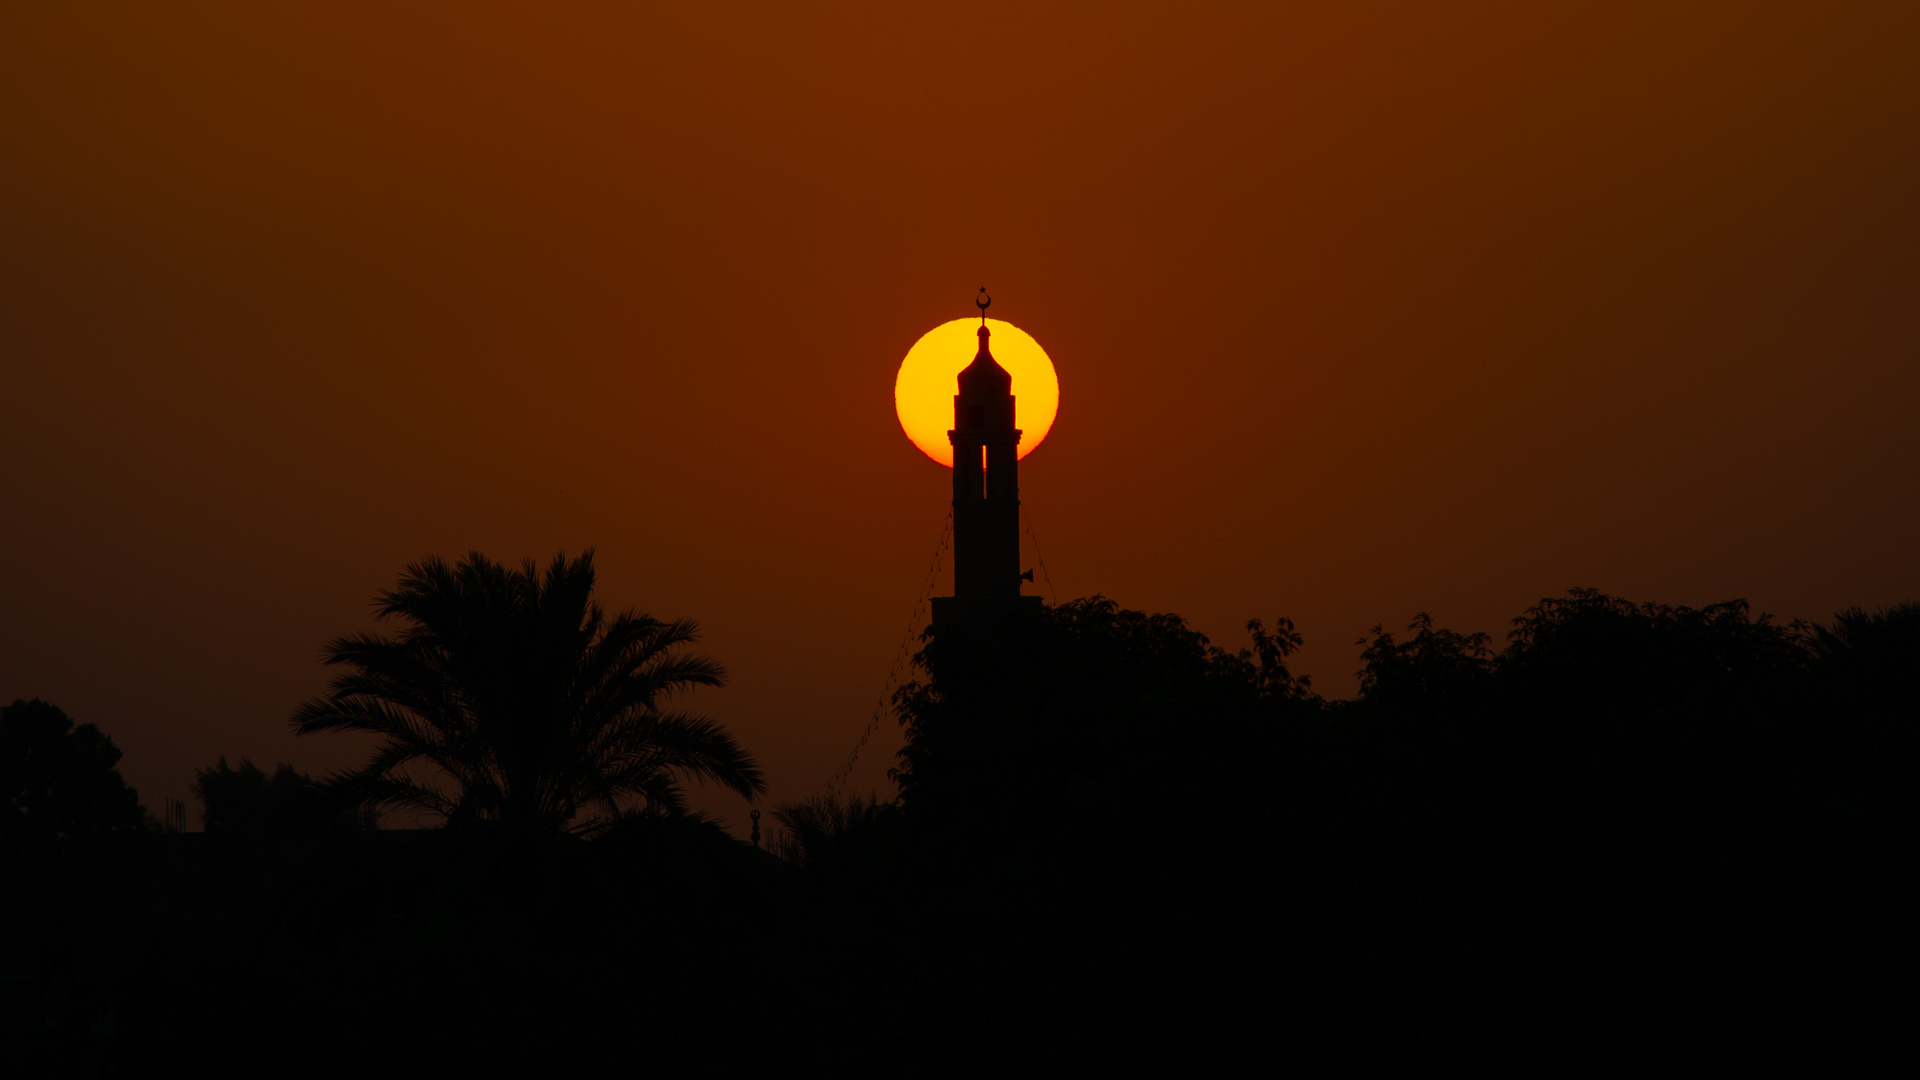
[{"x": 1355, "y": 315}]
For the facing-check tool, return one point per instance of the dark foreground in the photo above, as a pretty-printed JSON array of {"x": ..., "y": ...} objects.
[{"x": 1636, "y": 837}]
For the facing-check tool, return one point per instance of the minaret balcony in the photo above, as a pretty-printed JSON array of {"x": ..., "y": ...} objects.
[{"x": 972, "y": 436}]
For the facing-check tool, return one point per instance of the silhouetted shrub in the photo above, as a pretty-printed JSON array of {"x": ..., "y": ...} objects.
[
  {"x": 825, "y": 828},
  {"x": 246, "y": 803}
]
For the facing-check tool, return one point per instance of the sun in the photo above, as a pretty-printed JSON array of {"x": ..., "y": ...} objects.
[{"x": 923, "y": 391}]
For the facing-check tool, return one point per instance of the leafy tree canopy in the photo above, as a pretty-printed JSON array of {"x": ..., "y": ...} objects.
[
  {"x": 59, "y": 781},
  {"x": 1094, "y": 705}
]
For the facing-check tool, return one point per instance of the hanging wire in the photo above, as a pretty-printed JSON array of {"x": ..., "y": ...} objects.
[
  {"x": 1027, "y": 520},
  {"x": 842, "y": 774}
]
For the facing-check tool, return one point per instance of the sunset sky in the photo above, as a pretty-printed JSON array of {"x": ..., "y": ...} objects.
[{"x": 1408, "y": 307}]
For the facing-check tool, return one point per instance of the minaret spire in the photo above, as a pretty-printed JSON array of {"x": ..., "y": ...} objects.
[{"x": 986, "y": 495}]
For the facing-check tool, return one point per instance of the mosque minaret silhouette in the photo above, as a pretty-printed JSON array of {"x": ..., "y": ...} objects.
[{"x": 986, "y": 499}]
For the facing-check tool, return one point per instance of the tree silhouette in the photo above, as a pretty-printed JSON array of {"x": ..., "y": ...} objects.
[
  {"x": 58, "y": 781},
  {"x": 1091, "y": 707},
  {"x": 1876, "y": 653},
  {"x": 1270, "y": 650},
  {"x": 529, "y": 708},
  {"x": 823, "y": 826},
  {"x": 246, "y": 802},
  {"x": 1635, "y": 828},
  {"x": 1434, "y": 663}
]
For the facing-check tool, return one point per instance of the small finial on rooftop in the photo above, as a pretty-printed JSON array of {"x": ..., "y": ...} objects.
[{"x": 983, "y": 302}]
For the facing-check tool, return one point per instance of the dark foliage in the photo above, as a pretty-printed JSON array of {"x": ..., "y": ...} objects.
[
  {"x": 58, "y": 781},
  {"x": 511, "y": 701},
  {"x": 828, "y": 828},
  {"x": 1637, "y": 828},
  {"x": 68, "y": 824},
  {"x": 246, "y": 802},
  {"x": 1096, "y": 707},
  {"x": 435, "y": 952},
  {"x": 1635, "y": 833}
]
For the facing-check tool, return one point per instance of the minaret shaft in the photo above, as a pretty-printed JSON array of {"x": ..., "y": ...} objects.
[
  {"x": 986, "y": 497},
  {"x": 986, "y": 513}
]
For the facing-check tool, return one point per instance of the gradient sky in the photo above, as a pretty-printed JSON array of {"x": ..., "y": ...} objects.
[{"x": 1396, "y": 308}]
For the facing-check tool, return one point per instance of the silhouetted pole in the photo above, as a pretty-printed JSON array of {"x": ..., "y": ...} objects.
[{"x": 756, "y": 827}]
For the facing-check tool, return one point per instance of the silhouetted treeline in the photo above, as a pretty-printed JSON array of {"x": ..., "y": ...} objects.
[
  {"x": 1635, "y": 829},
  {"x": 246, "y": 802},
  {"x": 1629, "y": 833}
]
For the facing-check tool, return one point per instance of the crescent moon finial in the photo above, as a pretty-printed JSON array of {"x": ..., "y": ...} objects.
[{"x": 983, "y": 302}]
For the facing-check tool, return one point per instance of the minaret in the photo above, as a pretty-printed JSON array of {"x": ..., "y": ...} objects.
[{"x": 986, "y": 497}]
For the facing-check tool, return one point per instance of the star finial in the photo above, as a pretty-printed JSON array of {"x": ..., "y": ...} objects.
[{"x": 983, "y": 302}]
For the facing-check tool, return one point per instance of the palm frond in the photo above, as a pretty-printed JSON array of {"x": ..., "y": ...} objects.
[{"x": 524, "y": 699}]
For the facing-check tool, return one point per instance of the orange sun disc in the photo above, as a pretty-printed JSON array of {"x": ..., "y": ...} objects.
[{"x": 923, "y": 392}]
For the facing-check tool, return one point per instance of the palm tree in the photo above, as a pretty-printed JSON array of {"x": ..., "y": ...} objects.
[{"x": 511, "y": 699}]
